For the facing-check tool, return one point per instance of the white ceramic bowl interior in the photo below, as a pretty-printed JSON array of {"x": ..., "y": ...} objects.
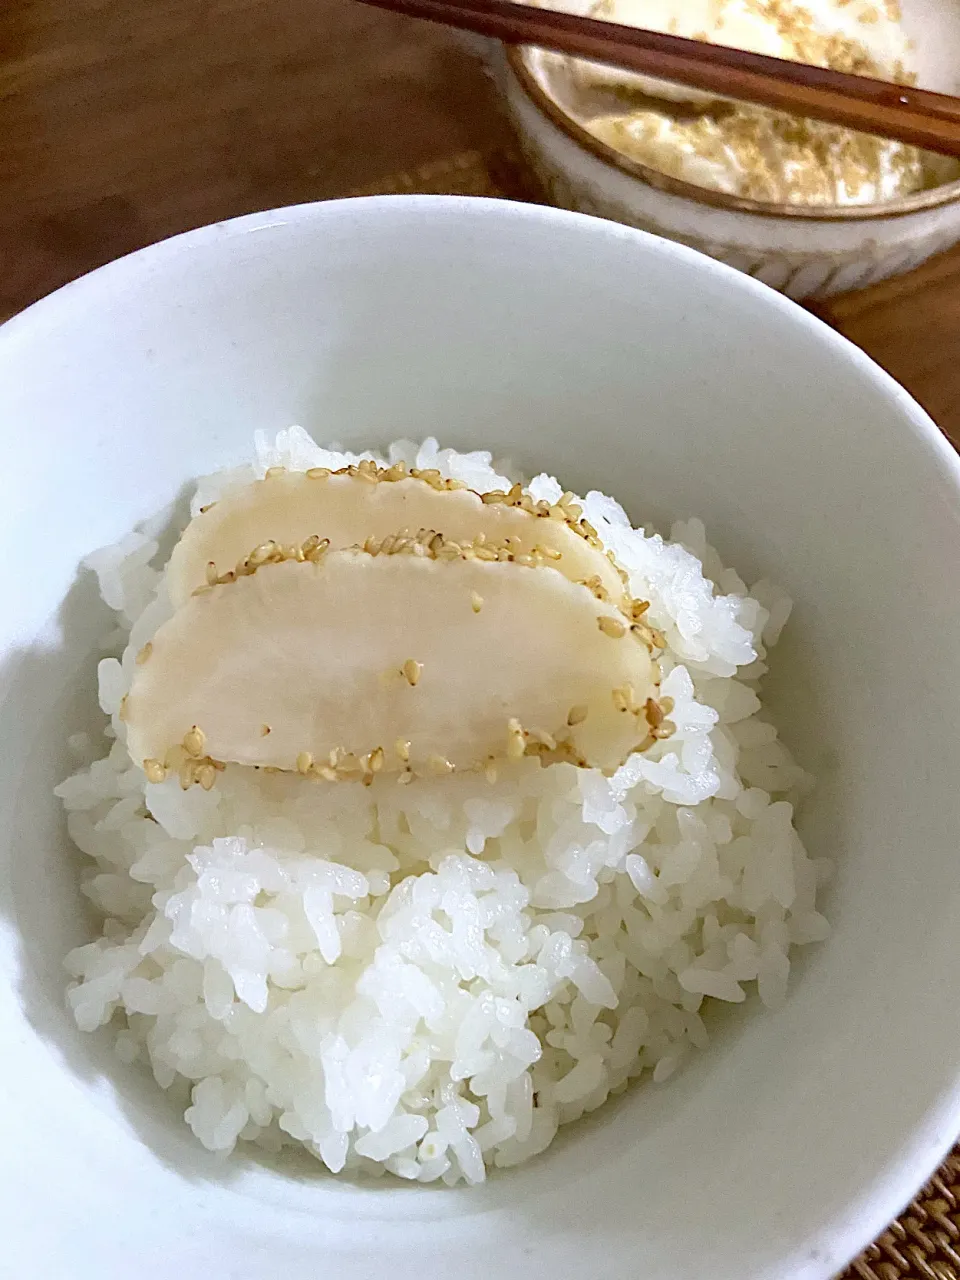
[
  {"x": 616, "y": 360},
  {"x": 816, "y": 254}
]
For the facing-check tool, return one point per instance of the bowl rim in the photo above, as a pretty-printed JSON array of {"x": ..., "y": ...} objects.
[{"x": 518, "y": 56}]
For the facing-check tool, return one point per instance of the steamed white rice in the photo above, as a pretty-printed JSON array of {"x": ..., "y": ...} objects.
[{"x": 431, "y": 979}]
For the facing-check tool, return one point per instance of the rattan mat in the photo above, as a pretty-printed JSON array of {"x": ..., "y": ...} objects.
[{"x": 924, "y": 1242}]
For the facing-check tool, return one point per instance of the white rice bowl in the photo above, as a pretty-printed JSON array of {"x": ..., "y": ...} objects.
[{"x": 430, "y": 980}]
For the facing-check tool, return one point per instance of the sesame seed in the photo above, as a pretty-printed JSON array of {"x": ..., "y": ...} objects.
[
  {"x": 402, "y": 748},
  {"x": 412, "y": 670},
  {"x": 325, "y": 772},
  {"x": 271, "y": 473},
  {"x": 440, "y": 765},
  {"x": 653, "y": 713},
  {"x": 476, "y": 602},
  {"x": 375, "y": 760},
  {"x": 666, "y": 729},
  {"x": 154, "y": 770},
  {"x": 612, "y": 627},
  {"x": 317, "y": 473},
  {"x": 623, "y": 698},
  {"x": 577, "y": 714},
  {"x": 122, "y": 709},
  {"x": 545, "y": 739},
  {"x": 208, "y": 507},
  {"x": 405, "y": 778},
  {"x": 304, "y": 762},
  {"x": 187, "y": 774},
  {"x": 264, "y": 730},
  {"x": 493, "y": 497},
  {"x": 317, "y": 552},
  {"x": 206, "y": 776},
  {"x": 666, "y": 705},
  {"x": 211, "y": 574},
  {"x": 261, "y": 554},
  {"x": 516, "y": 740},
  {"x": 193, "y": 741},
  {"x": 490, "y": 771}
]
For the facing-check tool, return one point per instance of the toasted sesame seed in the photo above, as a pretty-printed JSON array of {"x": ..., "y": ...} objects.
[
  {"x": 623, "y": 698},
  {"x": 304, "y": 762},
  {"x": 317, "y": 552},
  {"x": 653, "y": 713},
  {"x": 493, "y": 497},
  {"x": 397, "y": 472},
  {"x": 516, "y": 739},
  {"x": 612, "y": 627},
  {"x": 317, "y": 473},
  {"x": 261, "y": 554},
  {"x": 638, "y": 608},
  {"x": 375, "y": 760},
  {"x": 154, "y": 770},
  {"x": 264, "y": 730},
  {"x": 412, "y": 670},
  {"x": 193, "y": 741},
  {"x": 476, "y": 601},
  {"x": 577, "y": 714}
]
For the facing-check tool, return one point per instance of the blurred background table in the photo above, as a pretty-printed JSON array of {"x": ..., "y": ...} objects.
[{"x": 124, "y": 121}]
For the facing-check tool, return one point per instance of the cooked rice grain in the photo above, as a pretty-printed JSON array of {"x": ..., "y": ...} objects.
[{"x": 429, "y": 980}]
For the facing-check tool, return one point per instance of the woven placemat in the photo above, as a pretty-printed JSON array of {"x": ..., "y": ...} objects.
[{"x": 924, "y": 1242}]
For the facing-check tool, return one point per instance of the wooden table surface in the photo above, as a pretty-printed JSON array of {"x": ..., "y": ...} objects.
[{"x": 124, "y": 121}]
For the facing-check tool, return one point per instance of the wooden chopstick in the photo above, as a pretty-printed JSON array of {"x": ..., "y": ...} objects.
[{"x": 919, "y": 116}]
